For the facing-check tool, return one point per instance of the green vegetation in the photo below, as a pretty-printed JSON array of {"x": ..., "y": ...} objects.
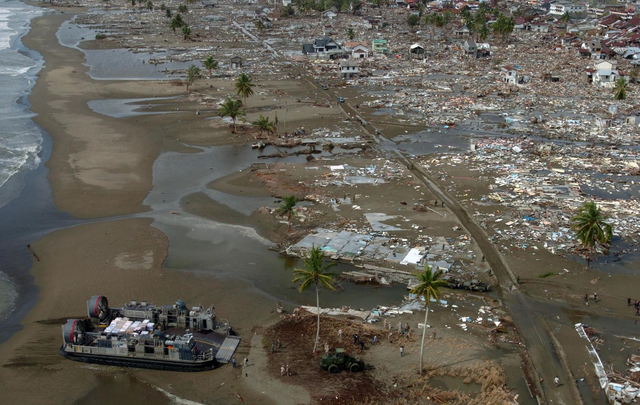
[
  {"x": 168, "y": 14},
  {"x": 100, "y": 37},
  {"x": 193, "y": 73},
  {"x": 413, "y": 20},
  {"x": 315, "y": 275},
  {"x": 503, "y": 26},
  {"x": 591, "y": 227},
  {"x": 265, "y": 126},
  {"x": 429, "y": 286},
  {"x": 566, "y": 17},
  {"x": 186, "y": 32},
  {"x": 260, "y": 25},
  {"x": 182, "y": 8},
  {"x": 620, "y": 89},
  {"x": 351, "y": 34},
  {"x": 547, "y": 274},
  {"x": 149, "y": 5},
  {"x": 176, "y": 22},
  {"x": 244, "y": 86},
  {"x": 232, "y": 109},
  {"x": 288, "y": 204},
  {"x": 210, "y": 64}
]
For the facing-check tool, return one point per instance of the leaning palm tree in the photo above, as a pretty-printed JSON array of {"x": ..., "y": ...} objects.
[
  {"x": 620, "y": 89},
  {"x": 316, "y": 275},
  {"x": 429, "y": 286},
  {"x": 264, "y": 125},
  {"x": 232, "y": 109},
  {"x": 244, "y": 86},
  {"x": 193, "y": 73},
  {"x": 210, "y": 64},
  {"x": 591, "y": 227},
  {"x": 288, "y": 204},
  {"x": 566, "y": 17},
  {"x": 176, "y": 22}
]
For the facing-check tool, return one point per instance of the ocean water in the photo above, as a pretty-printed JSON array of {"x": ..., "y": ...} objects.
[{"x": 20, "y": 138}]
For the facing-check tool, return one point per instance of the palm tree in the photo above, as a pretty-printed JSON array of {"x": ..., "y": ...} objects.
[
  {"x": 182, "y": 8},
  {"x": 413, "y": 20},
  {"x": 150, "y": 5},
  {"x": 260, "y": 25},
  {"x": 264, "y": 125},
  {"x": 316, "y": 275},
  {"x": 483, "y": 32},
  {"x": 429, "y": 286},
  {"x": 232, "y": 109},
  {"x": 210, "y": 64},
  {"x": 351, "y": 34},
  {"x": 186, "y": 31},
  {"x": 193, "y": 73},
  {"x": 620, "y": 89},
  {"x": 591, "y": 228},
  {"x": 176, "y": 22},
  {"x": 168, "y": 14},
  {"x": 244, "y": 86},
  {"x": 566, "y": 17},
  {"x": 288, "y": 204}
]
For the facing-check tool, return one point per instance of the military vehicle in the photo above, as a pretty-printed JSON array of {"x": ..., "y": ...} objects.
[
  {"x": 139, "y": 334},
  {"x": 339, "y": 360}
]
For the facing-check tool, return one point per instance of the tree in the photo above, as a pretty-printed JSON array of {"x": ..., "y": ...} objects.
[
  {"x": 210, "y": 64},
  {"x": 315, "y": 275},
  {"x": 566, "y": 17},
  {"x": 351, "y": 34},
  {"x": 429, "y": 286},
  {"x": 162, "y": 7},
  {"x": 287, "y": 207},
  {"x": 264, "y": 125},
  {"x": 591, "y": 227},
  {"x": 244, "y": 86},
  {"x": 149, "y": 5},
  {"x": 620, "y": 89},
  {"x": 413, "y": 20},
  {"x": 288, "y": 11},
  {"x": 176, "y": 22},
  {"x": 133, "y": 3},
  {"x": 232, "y": 109},
  {"x": 186, "y": 31},
  {"x": 483, "y": 32},
  {"x": 168, "y": 14},
  {"x": 193, "y": 73},
  {"x": 182, "y": 8},
  {"x": 260, "y": 25}
]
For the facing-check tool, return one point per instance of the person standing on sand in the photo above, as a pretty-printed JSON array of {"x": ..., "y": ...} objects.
[
  {"x": 340, "y": 334},
  {"x": 281, "y": 370},
  {"x": 595, "y": 297},
  {"x": 375, "y": 339},
  {"x": 401, "y": 351},
  {"x": 246, "y": 362},
  {"x": 586, "y": 298},
  {"x": 233, "y": 362},
  {"x": 629, "y": 301},
  {"x": 362, "y": 345},
  {"x": 556, "y": 381},
  {"x": 390, "y": 334}
]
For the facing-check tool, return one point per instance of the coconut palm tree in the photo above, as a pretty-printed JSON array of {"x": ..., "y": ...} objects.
[
  {"x": 566, "y": 17},
  {"x": 260, "y": 26},
  {"x": 315, "y": 275},
  {"x": 620, "y": 89},
  {"x": 351, "y": 34},
  {"x": 288, "y": 204},
  {"x": 591, "y": 227},
  {"x": 244, "y": 86},
  {"x": 176, "y": 22},
  {"x": 232, "y": 109},
  {"x": 186, "y": 31},
  {"x": 264, "y": 125},
  {"x": 483, "y": 32},
  {"x": 182, "y": 8},
  {"x": 429, "y": 286},
  {"x": 210, "y": 64},
  {"x": 193, "y": 73}
]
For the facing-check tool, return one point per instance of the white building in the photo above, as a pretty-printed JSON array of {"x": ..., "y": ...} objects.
[
  {"x": 359, "y": 52},
  {"x": 349, "y": 68},
  {"x": 287, "y": 2},
  {"x": 561, "y": 8},
  {"x": 509, "y": 75}
]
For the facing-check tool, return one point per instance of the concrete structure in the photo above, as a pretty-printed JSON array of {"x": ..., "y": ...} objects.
[
  {"x": 349, "y": 69},
  {"x": 561, "y": 8},
  {"x": 509, "y": 75},
  {"x": 379, "y": 46}
]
